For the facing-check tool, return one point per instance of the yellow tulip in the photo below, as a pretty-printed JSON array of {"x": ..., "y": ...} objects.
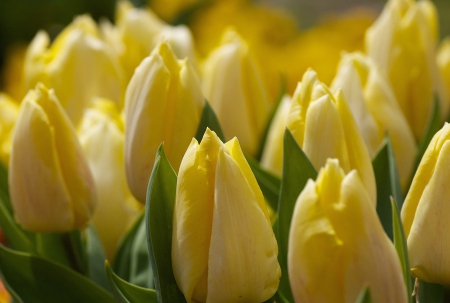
[
  {"x": 375, "y": 109},
  {"x": 163, "y": 103},
  {"x": 9, "y": 111},
  {"x": 78, "y": 65},
  {"x": 223, "y": 246},
  {"x": 51, "y": 186},
  {"x": 443, "y": 62},
  {"x": 102, "y": 139},
  {"x": 323, "y": 126},
  {"x": 424, "y": 213},
  {"x": 235, "y": 90},
  {"x": 402, "y": 42},
  {"x": 139, "y": 30},
  {"x": 272, "y": 156},
  {"x": 337, "y": 245}
]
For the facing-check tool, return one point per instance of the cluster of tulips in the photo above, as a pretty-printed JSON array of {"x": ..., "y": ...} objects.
[{"x": 137, "y": 170}]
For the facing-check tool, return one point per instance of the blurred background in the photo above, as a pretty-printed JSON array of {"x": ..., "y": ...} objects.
[{"x": 21, "y": 19}]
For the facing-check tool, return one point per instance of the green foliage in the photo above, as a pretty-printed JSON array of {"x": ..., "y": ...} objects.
[
  {"x": 158, "y": 218},
  {"x": 209, "y": 120},
  {"x": 297, "y": 170}
]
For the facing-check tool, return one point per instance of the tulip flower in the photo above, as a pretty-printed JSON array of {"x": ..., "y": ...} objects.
[
  {"x": 443, "y": 62},
  {"x": 323, "y": 126},
  {"x": 337, "y": 245},
  {"x": 163, "y": 103},
  {"x": 272, "y": 156},
  {"x": 375, "y": 109},
  {"x": 9, "y": 111},
  {"x": 102, "y": 139},
  {"x": 424, "y": 213},
  {"x": 223, "y": 246},
  {"x": 78, "y": 65},
  {"x": 234, "y": 88},
  {"x": 51, "y": 186},
  {"x": 402, "y": 42},
  {"x": 139, "y": 30}
]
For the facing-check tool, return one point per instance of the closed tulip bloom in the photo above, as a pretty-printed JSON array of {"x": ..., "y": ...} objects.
[
  {"x": 234, "y": 88},
  {"x": 425, "y": 213},
  {"x": 9, "y": 111},
  {"x": 223, "y": 246},
  {"x": 337, "y": 245},
  {"x": 375, "y": 109},
  {"x": 139, "y": 30},
  {"x": 78, "y": 65},
  {"x": 323, "y": 126},
  {"x": 51, "y": 186},
  {"x": 163, "y": 103},
  {"x": 102, "y": 139},
  {"x": 272, "y": 156},
  {"x": 403, "y": 43},
  {"x": 443, "y": 62}
]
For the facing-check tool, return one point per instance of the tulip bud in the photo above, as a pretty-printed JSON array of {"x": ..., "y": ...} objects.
[
  {"x": 163, "y": 103},
  {"x": 102, "y": 139},
  {"x": 223, "y": 246},
  {"x": 443, "y": 62},
  {"x": 403, "y": 43},
  {"x": 9, "y": 110},
  {"x": 324, "y": 127},
  {"x": 139, "y": 30},
  {"x": 78, "y": 65},
  {"x": 337, "y": 245},
  {"x": 375, "y": 109},
  {"x": 51, "y": 186},
  {"x": 272, "y": 156},
  {"x": 233, "y": 86},
  {"x": 424, "y": 213}
]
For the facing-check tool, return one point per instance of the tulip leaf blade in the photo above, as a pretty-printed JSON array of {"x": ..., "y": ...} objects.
[
  {"x": 269, "y": 183},
  {"x": 122, "y": 260},
  {"x": 297, "y": 170},
  {"x": 429, "y": 292},
  {"x": 401, "y": 248},
  {"x": 388, "y": 184},
  {"x": 39, "y": 280},
  {"x": 125, "y": 292},
  {"x": 140, "y": 267},
  {"x": 17, "y": 237},
  {"x": 95, "y": 258},
  {"x": 158, "y": 218},
  {"x": 209, "y": 120},
  {"x": 364, "y": 296}
]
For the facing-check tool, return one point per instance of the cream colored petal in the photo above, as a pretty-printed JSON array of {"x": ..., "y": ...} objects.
[
  {"x": 243, "y": 265},
  {"x": 314, "y": 255},
  {"x": 428, "y": 240},
  {"x": 324, "y": 134},
  {"x": 358, "y": 155},
  {"x": 39, "y": 195},
  {"x": 272, "y": 156},
  {"x": 422, "y": 177},
  {"x": 145, "y": 107},
  {"x": 193, "y": 215}
]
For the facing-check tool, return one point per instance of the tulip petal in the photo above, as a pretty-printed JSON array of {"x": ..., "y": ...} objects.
[{"x": 243, "y": 264}]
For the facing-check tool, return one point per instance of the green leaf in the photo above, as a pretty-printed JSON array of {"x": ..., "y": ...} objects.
[
  {"x": 140, "y": 267},
  {"x": 125, "y": 292},
  {"x": 401, "y": 248},
  {"x": 388, "y": 184},
  {"x": 51, "y": 246},
  {"x": 38, "y": 280},
  {"x": 209, "y": 120},
  {"x": 269, "y": 183},
  {"x": 430, "y": 293},
  {"x": 364, "y": 296},
  {"x": 159, "y": 213},
  {"x": 122, "y": 259},
  {"x": 96, "y": 258},
  {"x": 297, "y": 170},
  {"x": 4, "y": 179},
  {"x": 433, "y": 126},
  {"x": 17, "y": 237}
]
